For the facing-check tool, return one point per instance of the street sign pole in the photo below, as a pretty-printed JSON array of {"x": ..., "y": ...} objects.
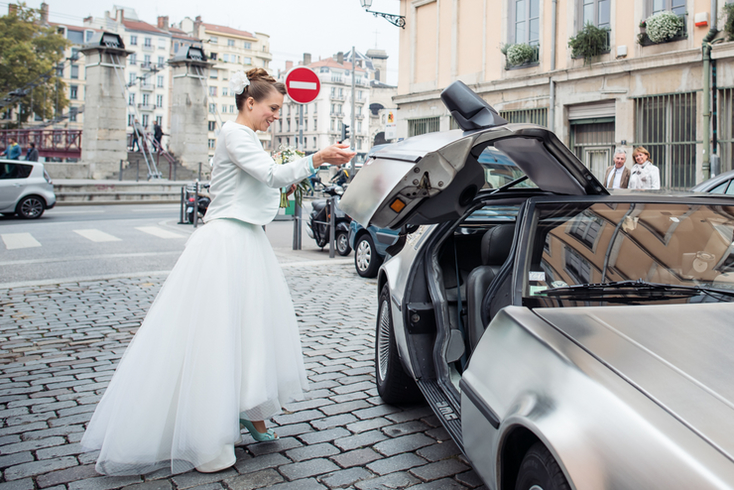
[
  {"x": 303, "y": 86},
  {"x": 353, "y": 136}
]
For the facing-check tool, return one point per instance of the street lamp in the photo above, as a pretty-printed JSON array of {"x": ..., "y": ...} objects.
[{"x": 396, "y": 20}]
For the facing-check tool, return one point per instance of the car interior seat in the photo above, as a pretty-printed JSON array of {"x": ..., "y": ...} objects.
[{"x": 496, "y": 245}]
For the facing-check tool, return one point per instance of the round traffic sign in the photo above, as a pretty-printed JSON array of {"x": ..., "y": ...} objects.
[{"x": 302, "y": 84}]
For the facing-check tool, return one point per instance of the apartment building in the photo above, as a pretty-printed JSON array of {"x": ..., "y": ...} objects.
[
  {"x": 638, "y": 91},
  {"x": 324, "y": 117},
  {"x": 230, "y": 50}
]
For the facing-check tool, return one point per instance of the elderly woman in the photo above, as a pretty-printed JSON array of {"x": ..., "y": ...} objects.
[{"x": 645, "y": 175}]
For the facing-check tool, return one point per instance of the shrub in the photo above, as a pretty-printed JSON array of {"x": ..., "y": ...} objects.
[
  {"x": 729, "y": 24},
  {"x": 663, "y": 26},
  {"x": 589, "y": 43},
  {"x": 517, "y": 54}
]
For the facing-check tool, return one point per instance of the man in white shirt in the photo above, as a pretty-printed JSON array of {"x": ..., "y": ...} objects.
[{"x": 617, "y": 176}]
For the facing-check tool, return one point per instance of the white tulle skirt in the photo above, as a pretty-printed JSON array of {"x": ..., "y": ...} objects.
[{"x": 220, "y": 339}]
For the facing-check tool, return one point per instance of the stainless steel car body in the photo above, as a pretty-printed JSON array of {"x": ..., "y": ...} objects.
[{"x": 621, "y": 396}]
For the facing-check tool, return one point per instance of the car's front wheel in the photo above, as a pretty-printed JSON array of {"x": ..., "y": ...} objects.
[
  {"x": 342, "y": 243},
  {"x": 394, "y": 385},
  {"x": 31, "y": 207},
  {"x": 540, "y": 471},
  {"x": 366, "y": 260}
]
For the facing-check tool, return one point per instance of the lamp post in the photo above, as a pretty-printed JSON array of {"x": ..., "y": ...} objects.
[{"x": 396, "y": 20}]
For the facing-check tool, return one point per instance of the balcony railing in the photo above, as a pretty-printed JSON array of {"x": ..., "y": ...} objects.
[
  {"x": 148, "y": 87},
  {"x": 146, "y": 107},
  {"x": 336, "y": 97}
]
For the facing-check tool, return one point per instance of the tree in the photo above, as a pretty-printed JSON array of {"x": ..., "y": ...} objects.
[{"x": 29, "y": 54}]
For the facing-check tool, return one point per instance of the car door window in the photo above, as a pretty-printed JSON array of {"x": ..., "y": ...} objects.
[
  {"x": 14, "y": 171},
  {"x": 499, "y": 169}
]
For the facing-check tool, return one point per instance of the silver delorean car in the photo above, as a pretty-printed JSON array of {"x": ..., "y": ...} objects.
[{"x": 566, "y": 337}]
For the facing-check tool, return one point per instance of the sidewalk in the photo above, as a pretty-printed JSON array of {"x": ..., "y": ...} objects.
[{"x": 60, "y": 343}]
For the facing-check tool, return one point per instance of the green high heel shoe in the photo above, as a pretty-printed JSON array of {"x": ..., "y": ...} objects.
[{"x": 268, "y": 435}]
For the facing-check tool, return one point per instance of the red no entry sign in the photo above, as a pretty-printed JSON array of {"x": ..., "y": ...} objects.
[{"x": 302, "y": 84}]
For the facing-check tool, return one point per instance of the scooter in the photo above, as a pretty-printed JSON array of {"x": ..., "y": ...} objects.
[
  {"x": 201, "y": 206},
  {"x": 319, "y": 223}
]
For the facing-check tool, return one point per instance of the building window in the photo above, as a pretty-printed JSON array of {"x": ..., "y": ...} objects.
[
  {"x": 314, "y": 143},
  {"x": 213, "y": 73},
  {"x": 159, "y": 81},
  {"x": 230, "y": 43},
  {"x": 74, "y": 71},
  {"x": 595, "y": 12},
  {"x": 225, "y": 90},
  {"x": 532, "y": 116},
  {"x": 212, "y": 108},
  {"x": 423, "y": 125},
  {"x": 159, "y": 120},
  {"x": 60, "y": 71},
  {"x": 159, "y": 101},
  {"x": 161, "y": 43},
  {"x": 133, "y": 40},
  {"x": 212, "y": 125},
  {"x": 133, "y": 79},
  {"x": 73, "y": 92},
  {"x": 133, "y": 58},
  {"x": 247, "y": 60},
  {"x": 525, "y": 23},
  {"x": 146, "y": 99},
  {"x": 248, "y": 45},
  {"x": 211, "y": 143},
  {"x": 73, "y": 111},
  {"x": 148, "y": 42},
  {"x": 130, "y": 119},
  {"x": 145, "y": 121},
  {"x": 146, "y": 61},
  {"x": 213, "y": 40},
  {"x": 213, "y": 56},
  {"x": 231, "y": 109},
  {"x": 213, "y": 91},
  {"x": 675, "y": 6},
  {"x": 585, "y": 228},
  {"x": 161, "y": 61},
  {"x": 666, "y": 126},
  {"x": 224, "y": 108}
]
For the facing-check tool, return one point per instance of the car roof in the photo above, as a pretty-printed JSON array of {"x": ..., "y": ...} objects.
[{"x": 715, "y": 181}]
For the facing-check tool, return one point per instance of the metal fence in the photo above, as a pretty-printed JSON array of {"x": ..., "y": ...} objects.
[{"x": 666, "y": 126}]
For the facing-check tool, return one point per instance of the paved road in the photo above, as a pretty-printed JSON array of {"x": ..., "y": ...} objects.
[{"x": 59, "y": 344}]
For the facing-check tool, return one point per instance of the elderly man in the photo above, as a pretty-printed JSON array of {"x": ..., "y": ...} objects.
[{"x": 617, "y": 176}]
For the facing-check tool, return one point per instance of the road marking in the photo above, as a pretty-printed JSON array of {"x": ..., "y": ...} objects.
[
  {"x": 97, "y": 235},
  {"x": 19, "y": 240},
  {"x": 77, "y": 211},
  {"x": 66, "y": 258},
  {"x": 159, "y": 232}
]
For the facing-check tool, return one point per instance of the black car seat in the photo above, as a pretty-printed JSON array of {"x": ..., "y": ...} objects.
[{"x": 496, "y": 245}]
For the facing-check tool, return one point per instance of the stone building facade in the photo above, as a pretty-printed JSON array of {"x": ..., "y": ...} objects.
[{"x": 637, "y": 92}]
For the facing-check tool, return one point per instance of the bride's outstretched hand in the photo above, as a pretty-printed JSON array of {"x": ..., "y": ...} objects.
[{"x": 337, "y": 154}]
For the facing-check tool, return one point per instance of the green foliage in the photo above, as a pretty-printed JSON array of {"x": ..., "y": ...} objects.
[
  {"x": 729, "y": 23},
  {"x": 663, "y": 26},
  {"x": 589, "y": 43},
  {"x": 520, "y": 53},
  {"x": 28, "y": 51}
]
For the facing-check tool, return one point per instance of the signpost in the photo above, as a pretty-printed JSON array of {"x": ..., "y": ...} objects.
[{"x": 303, "y": 86}]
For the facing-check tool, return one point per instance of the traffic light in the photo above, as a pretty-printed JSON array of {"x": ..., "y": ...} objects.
[{"x": 345, "y": 132}]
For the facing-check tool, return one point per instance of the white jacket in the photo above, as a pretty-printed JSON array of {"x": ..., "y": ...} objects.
[
  {"x": 246, "y": 181},
  {"x": 645, "y": 176}
]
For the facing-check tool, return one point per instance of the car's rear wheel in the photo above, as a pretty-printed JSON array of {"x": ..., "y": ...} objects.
[
  {"x": 342, "y": 243},
  {"x": 366, "y": 260},
  {"x": 31, "y": 207},
  {"x": 394, "y": 385},
  {"x": 540, "y": 471}
]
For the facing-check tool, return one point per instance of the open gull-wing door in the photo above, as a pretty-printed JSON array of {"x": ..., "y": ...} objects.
[{"x": 434, "y": 177}]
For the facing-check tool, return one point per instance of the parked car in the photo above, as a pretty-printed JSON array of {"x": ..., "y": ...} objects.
[
  {"x": 719, "y": 184},
  {"x": 25, "y": 189},
  {"x": 370, "y": 245},
  {"x": 565, "y": 337}
]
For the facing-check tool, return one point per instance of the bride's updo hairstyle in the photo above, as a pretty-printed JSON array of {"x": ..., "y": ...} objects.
[{"x": 259, "y": 86}]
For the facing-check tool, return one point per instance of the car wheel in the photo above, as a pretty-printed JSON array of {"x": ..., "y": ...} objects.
[
  {"x": 366, "y": 260},
  {"x": 342, "y": 243},
  {"x": 393, "y": 384},
  {"x": 540, "y": 471},
  {"x": 31, "y": 207}
]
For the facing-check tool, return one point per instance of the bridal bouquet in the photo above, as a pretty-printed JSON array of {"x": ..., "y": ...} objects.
[{"x": 287, "y": 154}]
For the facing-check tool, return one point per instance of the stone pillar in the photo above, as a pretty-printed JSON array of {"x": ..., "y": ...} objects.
[
  {"x": 104, "y": 140},
  {"x": 189, "y": 111}
]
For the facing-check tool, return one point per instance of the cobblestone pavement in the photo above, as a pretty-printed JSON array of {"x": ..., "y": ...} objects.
[{"x": 59, "y": 346}]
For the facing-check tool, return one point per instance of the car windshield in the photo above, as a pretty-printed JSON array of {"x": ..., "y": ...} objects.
[
  {"x": 499, "y": 169},
  {"x": 630, "y": 253}
]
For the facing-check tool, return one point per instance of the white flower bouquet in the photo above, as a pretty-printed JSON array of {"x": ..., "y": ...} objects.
[
  {"x": 663, "y": 26},
  {"x": 287, "y": 154}
]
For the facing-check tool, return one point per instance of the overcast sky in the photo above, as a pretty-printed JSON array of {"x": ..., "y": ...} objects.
[{"x": 319, "y": 27}]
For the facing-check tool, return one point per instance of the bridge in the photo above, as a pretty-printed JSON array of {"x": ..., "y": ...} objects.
[{"x": 50, "y": 143}]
